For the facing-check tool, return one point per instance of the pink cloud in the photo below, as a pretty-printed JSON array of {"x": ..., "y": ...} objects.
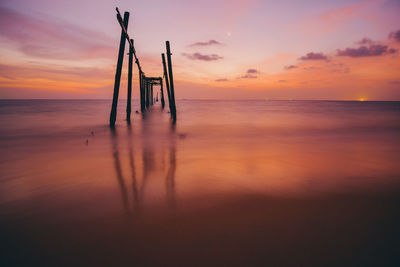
[
  {"x": 395, "y": 36},
  {"x": 209, "y": 43},
  {"x": 290, "y": 67},
  {"x": 45, "y": 39},
  {"x": 314, "y": 56},
  {"x": 198, "y": 56},
  {"x": 366, "y": 51}
]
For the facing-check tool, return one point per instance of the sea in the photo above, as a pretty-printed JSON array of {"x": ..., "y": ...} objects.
[{"x": 229, "y": 183}]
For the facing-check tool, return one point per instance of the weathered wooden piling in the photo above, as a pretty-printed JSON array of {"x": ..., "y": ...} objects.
[
  {"x": 146, "y": 84},
  {"x": 113, "y": 113},
  {"x": 147, "y": 93},
  {"x": 166, "y": 81},
  {"x": 151, "y": 93},
  {"x": 162, "y": 94},
  {"x": 128, "y": 104},
  {"x": 171, "y": 80},
  {"x": 142, "y": 93}
]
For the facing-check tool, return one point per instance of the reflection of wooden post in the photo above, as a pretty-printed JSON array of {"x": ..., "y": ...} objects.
[
  {"x": 113, "y": 114},
  {"x": 142, "y": 102},
  {"x": 171, "y": 81},
  {"x": 162, "y": 94},
  {"x": 128, "y": 104},
  {"x": 166, "y": 81}
]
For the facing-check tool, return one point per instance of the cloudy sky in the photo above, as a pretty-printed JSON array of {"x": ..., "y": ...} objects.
[{"x": 222, "y": 49}]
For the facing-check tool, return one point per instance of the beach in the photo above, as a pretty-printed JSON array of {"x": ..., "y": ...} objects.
[{"x": 232, "y": 182}]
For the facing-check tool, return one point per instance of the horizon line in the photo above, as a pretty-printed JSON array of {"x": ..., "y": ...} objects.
[{"x": 213, "y": 99}]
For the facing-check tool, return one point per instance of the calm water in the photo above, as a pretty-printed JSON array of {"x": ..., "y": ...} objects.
[{"x": 231, "y": 183}]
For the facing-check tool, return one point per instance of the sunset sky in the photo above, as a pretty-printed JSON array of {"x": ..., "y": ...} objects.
[{"x": 222, "y": 49}]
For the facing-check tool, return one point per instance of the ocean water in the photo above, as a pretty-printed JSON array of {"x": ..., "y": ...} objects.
[{"x": 231, "y": 182}]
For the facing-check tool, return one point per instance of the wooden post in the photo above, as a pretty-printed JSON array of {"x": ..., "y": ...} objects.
[
  {"x": 162, "y": 94},
  {"x": 142, "y": 95},
  {"x": 113, "y": 113},
  {"x": 167, "y": 82},
  {"x": 147, "y": 94},
  {"x": 171, "y": 80},
  {"x": 128, "y": 104},
  {"x": 151, "y": 93}
]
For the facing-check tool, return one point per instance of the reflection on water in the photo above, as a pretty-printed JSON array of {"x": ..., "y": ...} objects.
[
  {"x": 118, "y": 171},
  {"x": 170, "y": 178},
  {"x": 132, "y": 167},
  {"x": 259, "y": 183},
  {"x": 150, "y": 165}
]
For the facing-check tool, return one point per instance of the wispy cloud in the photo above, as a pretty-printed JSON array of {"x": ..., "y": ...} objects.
[
  {"x": 290, "y": 67},
  {"x": 314, "y": 56},
  {"x": 395, "y": 35},
  {"x": 252, "y": 71},
  {"x": 249, "y": 76},
  {"x": 221, "y": 80},
  {"x": 394, "y": 82},
  {"x": 366, "y": 51},
  {"x": 54, "y": 71},
  {"x": 365, "y": 41},
  {"x": 198, "y": 56},
  {"x": 209, "y": 43},
  {"x": 45, "y": 39}
]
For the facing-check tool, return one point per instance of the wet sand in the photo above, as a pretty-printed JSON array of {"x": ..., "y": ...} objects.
[{"x": 282, "y": 183}]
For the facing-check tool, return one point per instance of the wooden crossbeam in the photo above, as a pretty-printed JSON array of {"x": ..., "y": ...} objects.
[
  {"x": 130, "y": 41},
  {"x": 145, "y": 83}
]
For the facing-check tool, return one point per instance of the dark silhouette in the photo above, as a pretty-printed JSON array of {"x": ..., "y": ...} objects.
[
  {"x": 162, "y": 94},
  {"x": 113, "y": 114},
  {"x": 145, "y": 83},
  {"x": 171, "y": 81},
  {"x": 166, "y": 81},
  {"x": 142, "y": 92},
  {"x": 128, "y": 104}
]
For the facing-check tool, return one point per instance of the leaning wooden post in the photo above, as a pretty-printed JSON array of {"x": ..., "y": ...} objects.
[
  {"x": 166, "y": 82},
  {"x": 162, "y": 94},
  {"x": 113, "y": 114},
  {"x": 128, "y": 104},
  {"x": 142, "y": 102},
  {"x": 171, "y": 80}
]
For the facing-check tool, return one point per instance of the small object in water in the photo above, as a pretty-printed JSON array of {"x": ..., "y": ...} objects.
[
  {"x": 87, "y": 141},
  {"x": 182, "y": 136},
  {"x": 92, "y": 133}
]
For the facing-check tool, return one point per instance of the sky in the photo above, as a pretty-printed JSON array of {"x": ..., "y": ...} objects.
[{"x": 222, "y": 49}]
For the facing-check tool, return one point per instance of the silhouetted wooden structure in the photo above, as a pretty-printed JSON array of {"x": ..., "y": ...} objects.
[{"x": 146, "y": 84}]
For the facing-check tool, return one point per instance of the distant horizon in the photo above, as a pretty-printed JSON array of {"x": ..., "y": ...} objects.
[{"x": 208, "y": 99}]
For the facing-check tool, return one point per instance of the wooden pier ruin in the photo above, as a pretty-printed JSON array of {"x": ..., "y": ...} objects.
[{"x": 146, "y": 84}]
